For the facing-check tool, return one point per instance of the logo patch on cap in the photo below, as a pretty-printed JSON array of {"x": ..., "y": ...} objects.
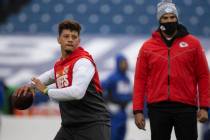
[
  {"x": 183, "y": 44},
  {"x": 168, "y": 10}
]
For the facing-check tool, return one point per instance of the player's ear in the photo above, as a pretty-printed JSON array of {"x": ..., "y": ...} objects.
[{"x": 58, "y": 39}]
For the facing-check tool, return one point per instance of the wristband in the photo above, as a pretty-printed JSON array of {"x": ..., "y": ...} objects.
[{"x": 45, "y": 91}]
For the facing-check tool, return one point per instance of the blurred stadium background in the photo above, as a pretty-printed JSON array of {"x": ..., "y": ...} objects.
[{"x": 28, "y": 47}]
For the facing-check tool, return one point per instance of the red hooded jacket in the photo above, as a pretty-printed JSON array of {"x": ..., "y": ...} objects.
[{"x": 171, "y": 74}]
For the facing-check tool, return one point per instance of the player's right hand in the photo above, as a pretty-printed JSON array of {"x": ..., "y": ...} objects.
[
  {"x": 202, "y": 115},
  {"x": 140, "y": 121}
]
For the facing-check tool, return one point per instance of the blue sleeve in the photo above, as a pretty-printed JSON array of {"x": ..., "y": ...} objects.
[
  {"x": 108, "y": 86},
  {"x": 108, "y": 83},
  {"x": 1, "y": 97}
]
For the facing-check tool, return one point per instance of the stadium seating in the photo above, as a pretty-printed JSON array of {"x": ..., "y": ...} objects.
[{"x": 105, "y": 16}]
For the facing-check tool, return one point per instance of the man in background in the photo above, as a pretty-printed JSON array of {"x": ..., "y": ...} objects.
[
  {"x": 118, "y": 91},
  {"x": 170, "y": 66}
]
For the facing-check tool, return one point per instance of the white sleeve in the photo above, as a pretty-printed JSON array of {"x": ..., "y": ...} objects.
[
  {"x": 47, "y": 78},
  {"x": 52, "y": 86},
  {"x": 83, "y": 72}
]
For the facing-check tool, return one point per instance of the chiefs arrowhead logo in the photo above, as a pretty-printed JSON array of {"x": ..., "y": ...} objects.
[{"x": 183, "y": 44}]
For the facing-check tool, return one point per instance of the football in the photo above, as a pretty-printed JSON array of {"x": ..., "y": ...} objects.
[{"x": 22, "y": 101}]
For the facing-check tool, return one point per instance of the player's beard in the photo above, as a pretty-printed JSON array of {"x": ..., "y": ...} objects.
[{"x": 68, "y": 52}]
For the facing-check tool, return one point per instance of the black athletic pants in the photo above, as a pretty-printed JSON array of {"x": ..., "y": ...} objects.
[
  {"x": 162, "y": 121},
  {"x": 94, "y": 132}
]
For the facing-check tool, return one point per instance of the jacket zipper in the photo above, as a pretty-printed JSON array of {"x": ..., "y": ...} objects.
[{"x": 169, "y": 72}]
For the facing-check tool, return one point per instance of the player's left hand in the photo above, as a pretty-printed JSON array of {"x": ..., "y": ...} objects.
[
  {"x": 38, "y": 85},
  {"x": 202, "y": 115}
]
